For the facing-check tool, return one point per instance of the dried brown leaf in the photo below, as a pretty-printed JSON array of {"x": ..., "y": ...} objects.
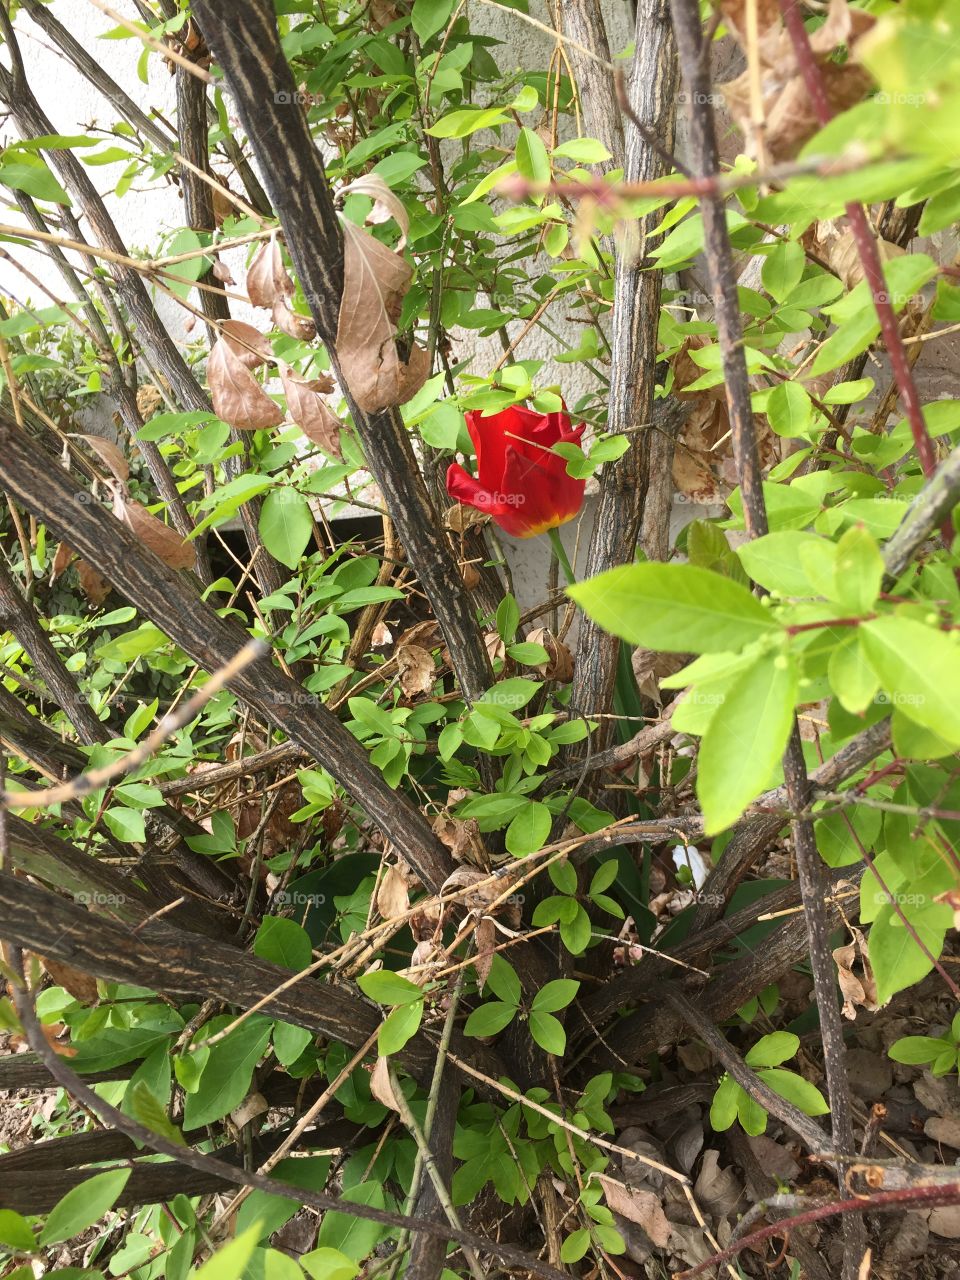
[
  {"x": 560, "y": 660},
  {"x": 392, "y": 896},
  {"x": 248, "y": 344},
  {"x": 268, "y": 280},
  {"x": 718, "y": 1190},
  {"x": 374, "y": 283},
  {"x": 417, "y": 669},
  {"x": 858, "y": 991},
  {"x": 82, "y": 986},
  {"x": 220, "y": 271},
  {"x": 642, "y": 1207},
  {"x": 156, "y": 536},
  {"x": 486, "y": 939},
  {"x": 93, "y": 586},
  {"x": 380, "y": 1085},
  {"x": 460, "y": 518},
  {"x": 237, "y": 396},
  {"x": 462, "y": 838},
  {"x": 386, "y": 203},
  {"x": 110, "y": 455},
  {"x": 292, "y": 323},
  {"x": 310, "y": 411},
  {"x": 64, "y": 555}
]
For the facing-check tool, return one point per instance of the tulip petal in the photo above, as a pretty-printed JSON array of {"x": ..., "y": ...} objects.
[
  {"x": 463, "y": 487},
  {"x": 542, "y": 495}
]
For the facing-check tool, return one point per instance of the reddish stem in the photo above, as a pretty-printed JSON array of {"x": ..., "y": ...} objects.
[
  {"x": 881, "y": 1202},
  {"x": 866, "y": 249}
]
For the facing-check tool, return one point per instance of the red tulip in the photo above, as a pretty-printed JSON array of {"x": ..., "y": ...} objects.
[{"x": 519, "y": 482}]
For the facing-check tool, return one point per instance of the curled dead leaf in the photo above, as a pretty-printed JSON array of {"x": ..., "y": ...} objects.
[
  {"x": 61, "y": 559},
  {"x": 310, "y": 411},
  {"x": 237, "y": 396},
  {"x": 859, "y": 991},
  {"x": 460, "y": 518},
  {"x": 248, "y": 344},
  {"x": 486, "y": 939},
  {"x": 292, "y": 323},
  {"x": 374, "y": 283},
  {"x": 386, "y": 203},
  {"x": 417, "y": 669},
  {"x": 268, "y": 280},
  {"x": 149, "y": 399},
  {"x": 392, "y": 895},
  {"x": 222, "y": 272},
  {"x": 560, "y": 660},
  {"x": 380, "y": 1085},
  {"x": 110, "y": 455},
  {"x": 462, "y": 838},
  {"x": 470, "y": 575}
]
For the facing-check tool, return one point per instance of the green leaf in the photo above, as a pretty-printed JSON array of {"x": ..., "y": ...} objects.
[
  {"x": 289, "y": 1042},
  {"x": 286, "y": 525},
  {"x": 508, "y": 618},
  {"x": 399, "y": 1026},
  {"x": 555, "y": 995},
  {"x": 576, "y": 933},
  {"x": 896, "y": 959},
  {"x": 284, "y": 942},
  {"x": 582, "y": 150},
  {"x": 752, "y": 1117},
  {"x": 387, "y": 987},
  {"x": 83, "y": 1206},
  {"x": 502, "y": 980},
  {"x": 229, "y": 1262},
  {"x": 774, "y": 561},
  {"x": 490, "y": 1018},
  {"x": 795, "y": 1089},
  {"x": 147, "y": 1109},
  {"x": 532, "y": 159},
  {"x": 773, "y": 1049},
  {"x": 355, "y": 1237},
  {"x": 745, "y": 739},
  {"x": 575, "y": 1246},
  {"x": 225, "y": 1079},
  {"x": 916, "y": 1050},
  {"x": 723, "y": 1108},
  {"x": 782, "y": 268},
  {"x": 529, "y": 830},
  {"x": 34, "y": 179},
  {"x": 789, "y": 410},
  {"x": 676, "y": 608},
  {"x": 460, "y": 124},
  {"x": 329, "y": 1264},
  {"x": 851, "y": 677},
  {"x": 429, "y": 17},
  {"x": 604, "y": 877},
  {"x": 15, "y": 1232},
  {"x": 126, "y": 824},
  {"x": 548, "y": 1032},
  {"x": 919, "y": 667},
  {"x": 859, "y": 570}
]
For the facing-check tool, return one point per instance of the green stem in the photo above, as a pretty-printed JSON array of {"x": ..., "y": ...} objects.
[{"x": 560, "y": 551}]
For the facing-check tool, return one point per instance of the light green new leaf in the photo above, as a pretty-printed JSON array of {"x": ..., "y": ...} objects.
[
  {"x": 387, "y": 987},
  {"x": 490, "y": 1018},
  {"x": 676, "y": 608},
  {"x": 795, "y": 1089},
  {"x": 15, "y": 1231},
  {"x": 896, "y": 959},
  {"x": 774, "y": 561},
  {"x": 229, "y": 1262},
  {"x": 399, "y": 1026},
  {"x": 859, "y": 570},
  {"x": 723, "y": 1108},
  {"x": 429, "y": 17},
  {"x": 744, "y": 740},
  {"x": 771, "y": 1050},
  {"x": 919, "y": 667},
  {"x": 83, "y": 1206}
]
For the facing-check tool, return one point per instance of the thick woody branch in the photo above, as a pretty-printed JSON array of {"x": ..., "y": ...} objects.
[
  {"x": 636, "y": 313},
  {"x": 243, "y": 36},
  {"x": 36, "y": 480}
]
